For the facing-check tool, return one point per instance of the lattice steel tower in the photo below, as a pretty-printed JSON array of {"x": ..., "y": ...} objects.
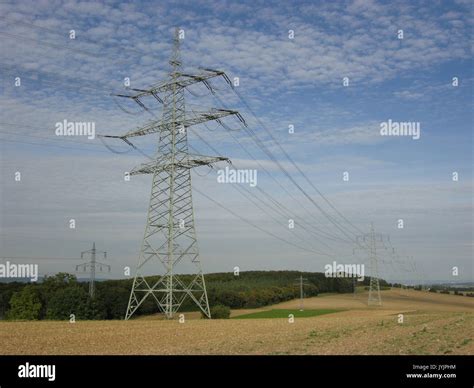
[
  {"x": 93, "y": 266},
  {"x": 170, "y": 238},
  {"x": 369, "y": 241},
  {"x": 374, "y": 287}
]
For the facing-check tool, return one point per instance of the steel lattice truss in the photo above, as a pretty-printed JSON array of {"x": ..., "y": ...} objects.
[
  {"x": 170, "y": 242},
  {"x": 371, "y": 239},
  {"x": 93, "y": 265},
  {"x": 167, "y": 126}
]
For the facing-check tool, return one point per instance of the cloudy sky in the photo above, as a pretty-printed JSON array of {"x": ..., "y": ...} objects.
[{"x": 298, "y": 82}]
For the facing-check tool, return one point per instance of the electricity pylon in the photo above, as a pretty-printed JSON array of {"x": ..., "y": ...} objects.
[
  {"x": 93, "y": 266},
  {"x": 371, "y": 239},
  {"x": 170, "y": 237},
  {"x": 301, "y": 283},
  {"x": 418, "y": 274}
]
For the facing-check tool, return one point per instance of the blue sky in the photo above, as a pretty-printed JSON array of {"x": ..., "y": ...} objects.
[{"x": 286, "y": 81}]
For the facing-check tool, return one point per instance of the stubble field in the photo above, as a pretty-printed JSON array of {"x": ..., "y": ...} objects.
[{"x": 432, "y": 324}]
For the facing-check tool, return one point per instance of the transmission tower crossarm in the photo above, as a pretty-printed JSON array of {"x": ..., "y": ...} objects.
[
  {"x": 182, "y": 80},
  {"x": 189, "y": 162},
  {"x": 159, "y": 126},
  {"x": 103, "y": 264}
]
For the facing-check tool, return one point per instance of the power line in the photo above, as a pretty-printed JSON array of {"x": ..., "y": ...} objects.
[
  {"x": 256, "y": 226},
  {"x": 51, "y": 145},
  {"x": 253, "y": 224},
  {"x": 42, "y": 137},
  {"x": 249, "y": 197},
  {"x": 262, "y": 146},
  {"x": 292, "y": 161},
  {"x": 39, "y": 258},
  {"x": 69, "y": 81},
  {"x": 317, "y": 232},
  {"x": 61, "y": 139},
  {"x": 277, "y": 205}
]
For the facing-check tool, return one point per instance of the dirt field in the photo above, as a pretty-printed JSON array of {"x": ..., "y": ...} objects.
[{"x": 433, "y": 324}]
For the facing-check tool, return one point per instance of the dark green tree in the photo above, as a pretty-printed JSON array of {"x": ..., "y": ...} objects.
[
  {"x": 220, "y": 312},
  {"x": 114, "y": 300},
  {"x": 67, "y": 301},
  {"x": 25, "y": 304}
]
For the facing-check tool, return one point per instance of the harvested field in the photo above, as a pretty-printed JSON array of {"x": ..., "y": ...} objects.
[
  {"x": 433, "y": 324},
  {"x": 285, "y": 313}
]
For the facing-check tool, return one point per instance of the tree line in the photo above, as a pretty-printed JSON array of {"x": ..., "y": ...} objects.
[{"x": 57, "y": 297}]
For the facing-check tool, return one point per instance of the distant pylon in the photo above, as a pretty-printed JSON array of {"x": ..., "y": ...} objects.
[
  {"x": 353, "y": 287},
  {"x": 301, "y": 283},
  {"x": 170, "y": 237},
  {"x": 371, "y": 239},
  {"x": 374, "y": 288},
  {"x": 93, "y": 266}
]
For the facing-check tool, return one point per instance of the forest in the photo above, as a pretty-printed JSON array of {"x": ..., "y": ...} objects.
[{"x": 57, "y": 297}]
